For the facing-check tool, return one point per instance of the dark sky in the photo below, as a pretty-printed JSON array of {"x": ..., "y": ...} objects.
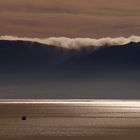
[{"x": 70, "y": 18}]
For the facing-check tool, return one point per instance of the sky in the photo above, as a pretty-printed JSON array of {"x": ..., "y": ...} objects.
[{"x": 69, "y": 18}]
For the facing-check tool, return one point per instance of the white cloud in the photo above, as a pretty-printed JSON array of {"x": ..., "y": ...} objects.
[{"x": 77, "y": 42}]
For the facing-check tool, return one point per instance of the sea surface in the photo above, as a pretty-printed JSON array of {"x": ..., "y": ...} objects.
[{"x": 69, "y": 119}]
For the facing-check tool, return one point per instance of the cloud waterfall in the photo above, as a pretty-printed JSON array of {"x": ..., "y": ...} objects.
[{"x": 77, "y": 42}]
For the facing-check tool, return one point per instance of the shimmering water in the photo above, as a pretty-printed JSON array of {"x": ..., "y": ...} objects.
[{"x": 75, "y": 118}]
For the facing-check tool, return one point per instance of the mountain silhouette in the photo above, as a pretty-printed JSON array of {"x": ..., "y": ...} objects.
[
  {"x": 34, "y": 70},
  {"x": 26, "y": 55}
]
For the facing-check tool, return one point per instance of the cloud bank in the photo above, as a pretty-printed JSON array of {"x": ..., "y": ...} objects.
[{"x": 76, "y": 43}]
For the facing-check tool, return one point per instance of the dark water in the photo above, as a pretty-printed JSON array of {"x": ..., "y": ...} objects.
[{"x": 69, "y": 119}]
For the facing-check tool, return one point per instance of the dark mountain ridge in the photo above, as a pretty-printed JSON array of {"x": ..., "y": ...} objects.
[
  {"x": 33, "y": 70},
  {"x": 26, "y": 55}
]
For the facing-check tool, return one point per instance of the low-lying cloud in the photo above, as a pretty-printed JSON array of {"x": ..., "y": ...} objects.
[{"x": 78, "y": 42}]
